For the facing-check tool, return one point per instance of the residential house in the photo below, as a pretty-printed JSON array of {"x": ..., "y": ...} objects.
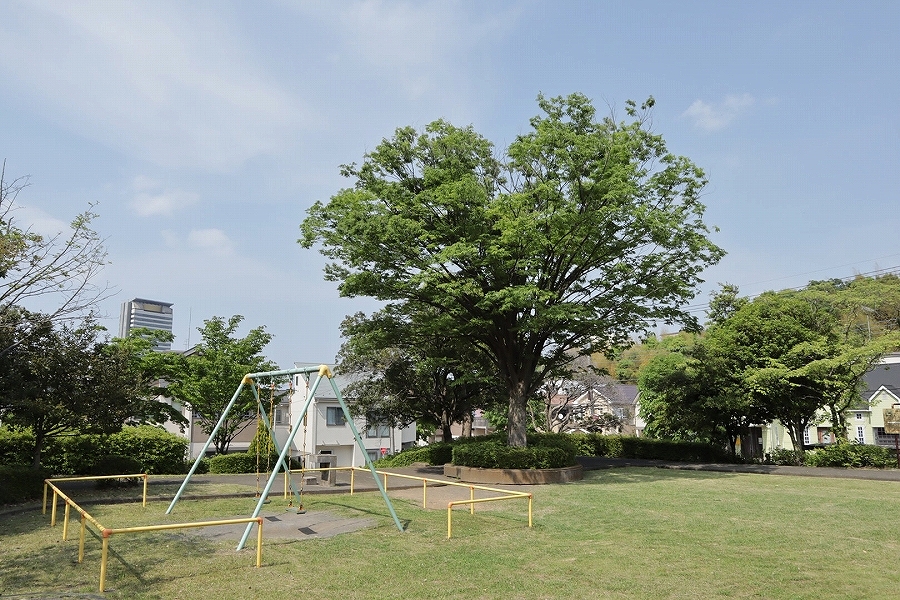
[
  {"x": 865, "y": 421},
  {"x": 575, "y": 405}
]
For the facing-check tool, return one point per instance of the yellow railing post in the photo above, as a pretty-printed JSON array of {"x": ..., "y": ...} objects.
[
  {"x": 424, "y": 493},
  {"x": 81, "y": 539},
  {"x": 449, "y": 520},
  {"x": 53, "y": 510},
  {"x": 385, "y": 481},
  {"x": 66, "y": 523},
  {"x": 259, "y": 538},
  {"x": 46, "y": 485},
  {"x": 530, "y": 500},
  {"x": 104, "y": 554},
  {"x": 471, "y": 497},
  {"x": 146, "y": 479},
  {"x": 352, "y": 478}
]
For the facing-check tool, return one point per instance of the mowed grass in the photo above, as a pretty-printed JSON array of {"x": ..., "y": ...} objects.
[{"x": 624, "y": 533}]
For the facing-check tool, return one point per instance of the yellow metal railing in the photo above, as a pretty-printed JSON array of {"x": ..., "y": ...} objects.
[
  {"x": 105, "y": 532},
  {"x": 472, "y": 501}
]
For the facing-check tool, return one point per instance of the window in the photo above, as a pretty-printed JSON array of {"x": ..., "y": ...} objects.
[
  {"x": 281, "y": 414},
  {"x": 860, "y": 435},
  {"x": 806, "y": 436},
  {"x": 859, "y": 416},
  {"x": 378, "y": 430},
  {"x": 334, "y": 416}
]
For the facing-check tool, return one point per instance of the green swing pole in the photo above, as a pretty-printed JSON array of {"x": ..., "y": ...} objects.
[
  {"x": 290, "y": 440},
  {"x": 212, "y": 435},
  {"x": 362, "y": 447}
]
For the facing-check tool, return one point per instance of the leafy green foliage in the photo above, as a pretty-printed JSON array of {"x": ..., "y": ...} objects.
[
  {"x": 61, "y": 380},
  {"x": 432, "y": 454},
  {"x": 848, "y": 454},
  {"x": 586, "y": 231},
  {"x": 59, "y": 268},
  {"x": 153, "y": 449},
  {"x": 116, "y": 464},
  {"x": 206, "y": 378},
  {"x": 239, "y": 462},
  {"x": 20, "y": 483}
]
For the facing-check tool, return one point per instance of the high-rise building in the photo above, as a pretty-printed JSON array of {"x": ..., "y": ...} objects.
[{"x": 146, "y": 313}]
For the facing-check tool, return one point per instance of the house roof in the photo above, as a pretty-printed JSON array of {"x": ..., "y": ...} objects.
[{"x": 886, "y": 374}]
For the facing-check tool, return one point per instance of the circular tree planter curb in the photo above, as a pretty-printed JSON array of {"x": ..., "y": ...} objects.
[{"x": 514, "y": 476}]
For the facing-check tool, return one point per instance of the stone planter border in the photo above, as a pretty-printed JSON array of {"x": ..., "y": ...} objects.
[{"x": 514, "y": 476}]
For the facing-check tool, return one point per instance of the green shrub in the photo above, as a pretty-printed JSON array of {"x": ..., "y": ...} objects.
[
  {"x": 783, "y": 456},
  {"x": 155, "y": 449},
  {"x": 20, "y": 483},
  {"x": 844, "y": 454},
  {"x": 15, "y": 447},
  {"x": 433, "y": 454},
  {"x": 75, "y": 455},
  {"x": 239, "y": 462},
  {"x": 547, "y": 453},
  {"x": 625, "y": 446}
]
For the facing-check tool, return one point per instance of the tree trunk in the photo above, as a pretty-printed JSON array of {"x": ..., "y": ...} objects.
[
  {"x": 446, "y": 433},
  {"x": 517, "y": 425},
  {"x": 467, "y": 425},
  {"x": 38, "y": 448}
]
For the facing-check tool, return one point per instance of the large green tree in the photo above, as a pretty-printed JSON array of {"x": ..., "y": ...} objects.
[
  {"x": 585, "y": 231},
  {"x": 206, "y": 378}
]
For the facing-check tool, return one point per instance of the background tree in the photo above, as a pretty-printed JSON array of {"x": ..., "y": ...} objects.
[
  {"x": 586, "y": 232},
  {"x": 400, "y": 376},
  {"x": 59, "y": 269},
  {"x": 63, "y": 380},
  {"x": 205, "y": 378}
]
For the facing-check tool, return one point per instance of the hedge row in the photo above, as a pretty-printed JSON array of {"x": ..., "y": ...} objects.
[
  {"x": 852, "y": 455},
  {"x": 19, "y": 483},
  {"x": 623, "y": 446},
  {"x": 154, "y": 450},
  {"x": 549, "y": 450}
]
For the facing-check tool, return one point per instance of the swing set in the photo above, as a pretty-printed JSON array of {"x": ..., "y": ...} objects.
[{"x": 267, "y": 418}]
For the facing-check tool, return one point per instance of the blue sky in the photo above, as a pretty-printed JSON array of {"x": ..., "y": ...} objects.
[{"x": 204, "y": 130}]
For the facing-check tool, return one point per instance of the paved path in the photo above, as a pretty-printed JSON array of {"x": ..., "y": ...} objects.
[{"x": 591, "y": 463}]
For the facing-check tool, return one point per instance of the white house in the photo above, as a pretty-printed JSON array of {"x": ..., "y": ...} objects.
[{"x": 326, "y": 439}]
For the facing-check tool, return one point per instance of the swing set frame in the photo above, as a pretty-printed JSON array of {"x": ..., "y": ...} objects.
[{"x": 323, "y": 372}]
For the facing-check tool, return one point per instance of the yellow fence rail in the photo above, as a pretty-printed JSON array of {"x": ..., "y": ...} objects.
[
  {"x": 105, "y": 532},
  {"x": 472, "y": 501}
]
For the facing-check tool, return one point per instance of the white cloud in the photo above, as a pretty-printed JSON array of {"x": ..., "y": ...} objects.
[
  {"x": 37, "y": 221},
  {"x": 714, "y": 117},
  {"x": 137, "y": 76},
  {"x": 214, "y": 241},
  {"x": 416, "y": 47},
  {"x": 164, "y": 204}
]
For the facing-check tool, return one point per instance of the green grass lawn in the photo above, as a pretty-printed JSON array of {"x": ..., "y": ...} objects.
[{"x": 624, "y": 533}]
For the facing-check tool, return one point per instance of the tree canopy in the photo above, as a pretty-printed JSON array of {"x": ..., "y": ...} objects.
[
  {"x": 783, "y": 356},
  {"x": 61, "y": 379},
  {"x": 585, "y": 231},
  {"x": 206, "y": 378}
]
